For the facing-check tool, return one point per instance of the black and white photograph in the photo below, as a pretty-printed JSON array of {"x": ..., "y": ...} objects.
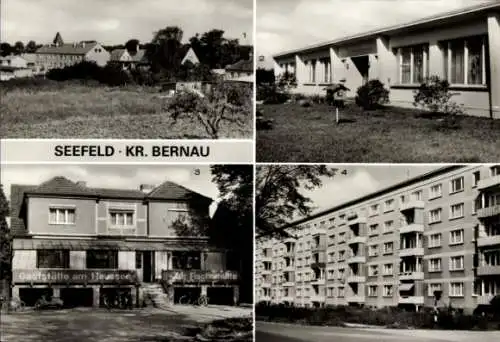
[
  {"x": 127, "y": 69},
  {"x": 378, "y": 81},
  {"x": 126, "y": 253},
  {"x": 377, "y": 253}
]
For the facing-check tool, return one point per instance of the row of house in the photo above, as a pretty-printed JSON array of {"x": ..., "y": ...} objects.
[
  {"x": 80, "y": 243},
  {"x": 400, "y": 246},
  {"x": 462, "y": 47},
  {"x": 61, "y": 54}
]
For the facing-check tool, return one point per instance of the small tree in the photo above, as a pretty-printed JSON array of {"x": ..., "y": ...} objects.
[
  {"x": 434, "y": 95},
  {"x": 372, "y": 95}
]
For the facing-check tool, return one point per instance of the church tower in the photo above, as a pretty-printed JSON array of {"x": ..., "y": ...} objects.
[{"x": 58, "y": 41}]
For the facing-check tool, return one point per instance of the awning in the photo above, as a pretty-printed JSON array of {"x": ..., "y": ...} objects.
[
  {"x": 82, "y": 245},
  {"x": 406, "y": 287}
]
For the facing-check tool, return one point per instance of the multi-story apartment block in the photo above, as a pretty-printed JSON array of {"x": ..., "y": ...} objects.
[
  {"x": 395, "y": 247},
  {"x": 80, "y": 243},
  {"x": 462, "y": 47}
]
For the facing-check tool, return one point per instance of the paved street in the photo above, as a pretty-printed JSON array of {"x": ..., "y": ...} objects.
[
  {"x": 273, "y": 332},
  {"x": 96, "y": 325}
]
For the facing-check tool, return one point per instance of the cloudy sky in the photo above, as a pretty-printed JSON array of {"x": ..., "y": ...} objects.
[
  {"x": 112, "y": 176},
  {"x": 362, "y": 180},
  {"x": 289, "y": 24},
  {"x": 116, "y": 21}
]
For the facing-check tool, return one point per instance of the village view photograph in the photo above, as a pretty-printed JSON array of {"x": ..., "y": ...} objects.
[
  {"x": 377, "y": 253},
  {"x": 127, "y": 69},
  {"x": 409, "y": 81},
  {"x": 126, "y": 253}
]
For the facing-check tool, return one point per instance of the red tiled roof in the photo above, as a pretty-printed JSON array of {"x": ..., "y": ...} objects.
[
  {"x": 62, "y": 186},
  {"x": 243, "y": 65},
  {"x": 169, "y": 191}
]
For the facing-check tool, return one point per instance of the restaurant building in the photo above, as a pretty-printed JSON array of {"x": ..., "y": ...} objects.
[
  {"x": 81, "y": 243},
  {"x": 438, "y": 232}
]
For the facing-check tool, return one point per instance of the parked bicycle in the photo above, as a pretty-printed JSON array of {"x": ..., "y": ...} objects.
[
  {"x": 117, "y": 300},
  {"x": 187, "y": 300}
]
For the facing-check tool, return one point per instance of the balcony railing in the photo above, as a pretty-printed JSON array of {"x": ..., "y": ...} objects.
[
  {"x": 355, "y": 299},
  {"x": 411, "y": 228},
  {"x": 491, "y": 182},
  {"x": 356, "y": 279},
  {"x": 67, "y": 276},
  {"x": 412, "y": 275},
  {"x": 318, "y": 247},
  {"x": 358, "y": 220},
  {"x": 488, "y": 211},
  {"x": 414, "y": 251},
  {"x": 199, "y": 276},
  {"x": 317, "y": 298},
  {"x": 356, "y": 259},
  {"x": 318, "y": 231},
  {"x": 488, "y": 270},
  {"x": 418, "y": 300},
  {"x": 412, "y": 204},
  {"x": 488, "y": 240},
  {"x": 484, "y": 299},
  {"x": 355, "y": 239},
  {"x": 318, "y": 264}
]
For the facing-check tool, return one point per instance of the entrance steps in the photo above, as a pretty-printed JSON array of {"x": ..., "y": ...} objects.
[{"x": 155, "y": 294}]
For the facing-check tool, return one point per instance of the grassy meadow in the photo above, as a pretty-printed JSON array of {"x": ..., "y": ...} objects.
[{"x": 73, "y": 110}]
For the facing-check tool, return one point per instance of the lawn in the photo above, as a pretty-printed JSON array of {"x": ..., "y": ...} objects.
[
  {"x": 69, "y": 110},
  {"x": 96, "y": 325},
  {"x": 390, "y": 135}
]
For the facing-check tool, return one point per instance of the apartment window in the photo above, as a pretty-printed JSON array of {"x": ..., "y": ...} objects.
[
  {"x": 341, "y": 291},
  {"x": 373, "y": 229},
  {"x": 372, "y": 291},
  {"x": 417, "y": 195},
  {"x": 388, "y": 269},
  {"x": 331, "y": 257},
  {"x": 465, "y": 60},
  {"x": 121, "y": 218},
  {"x": 389, "y": 205},
  {"x": 456, "y": 237},
  {"x": 330, "y": 292},
  {"x": 52, "y": 258},
  {"x": 434, "y": 240},
  {"x": 331, "y": 274},
  {"x": 456, "y": 211},
  {"x": 138, "y": 259},
  {"x": 372, "y": 250},
  {"x": 373, "y": 210},
  {"x": 331, "y": 239},
  {"x": 476, "y": 177},
  {"x": 388, "y": 225},
  {"x": 342, "y": 237},
  {"x": 388, "y": 247},
  {"x": 435, "y": 265},
  {"x": 414, "y": 61},
  {"x": 342, "y": 255},
  {"x": 433, "y": 287},
  {"x": 435, "y": 215},
  {"x": 457, "y": 263},
  {"x": 58, "y": 215},
  {"x": 373, "y": 270},
  {"x": 456, "y": 289},
  {"x": 186, "y": 260},
  {"x": 457, "y": 185},
  {"x": 435, "y": 191},
  {"x": 102, "y": 259},
  {"x": 388, "y": 290},
  {"x": 495, "y": 171},
  {"x": 178, "y": 215},
  {"x": 341, "y": 273}
]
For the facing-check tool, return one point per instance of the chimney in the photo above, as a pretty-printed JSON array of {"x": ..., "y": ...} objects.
[
  {"x": 81, "y": 184},
  {"x": 146, "y": 188},
  {"x": 83, "y": 44}
]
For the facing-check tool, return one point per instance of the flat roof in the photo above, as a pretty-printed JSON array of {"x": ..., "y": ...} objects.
[{"x": 395, "y": 28}]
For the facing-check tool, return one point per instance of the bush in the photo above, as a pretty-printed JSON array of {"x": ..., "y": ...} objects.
[
  {"x": 112, "y": 75},
  {"x": 372, "y": 95},
  {"x": 434, "y": 96}
]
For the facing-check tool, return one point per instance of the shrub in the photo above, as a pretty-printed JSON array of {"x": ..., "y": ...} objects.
[
  {"x": 372, "y": 95},
  {"x": 434, "y": 95}
]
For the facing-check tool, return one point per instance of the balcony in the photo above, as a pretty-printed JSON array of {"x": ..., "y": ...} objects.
[
  {"x": 318, "y": 231},
  {"x": 406, "y": 252},
  {"x": 411, "y": 276},
  {"x": 488, "y": 211},
  {"x": 199, "y": 276},
  {"x": 318, "y": 281},
  {"x": 356, "y": 279},
  {"x": 289, "y": 240},
  {"x": 318, "y": 248},
  {"x": 266, "y": 284},
  {"x": 417, "y": 300},
  {"x": 67, "y": 276},
  {"x": 288, "y": 299},
  {"x": 288, "y": 284},
  {"x": 412, "y": 228},
  {"x": 266, "y": 271},
  {"x": 358, "y": 220},
  {"x": 488, "y": 270},
  {"x": 355, "y": 299},
  {"x": 265, "y": 298},
  {"x": 289, "y": 268},
  {"x": 266, "y": 258},
  {"x": 488, "y": 240},
  {"x": 412, "y": 204},
  {"x": 317, "y": 298},
  {"x": 488, "y": 183},
  {"x": 289, "y": 254},
  {"x": 356, "y": 259},
  {"x": 316, "y": 265},
  {"x": 354, "y": 239}
]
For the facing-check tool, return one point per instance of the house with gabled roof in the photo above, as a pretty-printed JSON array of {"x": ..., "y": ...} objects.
[{"x": 84, "y": 244}]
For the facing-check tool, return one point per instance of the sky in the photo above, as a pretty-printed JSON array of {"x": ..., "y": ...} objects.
[
  {"x": 116, "y": 21},
  {"x": 359, "y": 181},
  {"x": 113, "y": 176},
  {"x": 288, "y": 24}
]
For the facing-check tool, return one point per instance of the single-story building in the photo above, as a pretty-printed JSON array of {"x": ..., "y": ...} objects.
[
  {"x": 462, "y": 46},
  {"x": 10, "y": 72}
]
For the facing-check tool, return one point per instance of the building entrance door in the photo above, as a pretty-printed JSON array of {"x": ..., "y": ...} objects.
[
  {"x": 148, "y": 266},
  {"x": 362, "y": 63}
]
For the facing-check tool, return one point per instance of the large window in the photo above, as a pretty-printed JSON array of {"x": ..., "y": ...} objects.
[
  {"x": 121, "y": 218},
  {"x": 187, "y": 260},
  {"x": 456, "y": 211},
  {"x": 102, "y": 259},
  {"x": 62, "y": 215},
  {"x": 414, "y": 64},
  {"x": 52, "y": 258},
  {"x": 465, "y": 60}
]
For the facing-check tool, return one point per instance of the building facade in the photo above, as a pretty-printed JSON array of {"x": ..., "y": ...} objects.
[
  {"x": 14, "y": 66},
  {"x": 80, "y": 244},
  {"x": 396, "y": 247},
  {"x": 462, "y": 47}
]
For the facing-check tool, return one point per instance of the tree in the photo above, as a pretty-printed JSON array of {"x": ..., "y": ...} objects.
[
  {"x": 132, "y": 45},
  {"x": 31, "y": 47},
  {"x": 232, "y": 223},
  {"x": 164, "y": 50},
  {"x": 18, "y": 48},
  {"x": 277, "y": 194},
  {"x": 5, "y": 49},
  {"x": 5, "y": 238}
]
